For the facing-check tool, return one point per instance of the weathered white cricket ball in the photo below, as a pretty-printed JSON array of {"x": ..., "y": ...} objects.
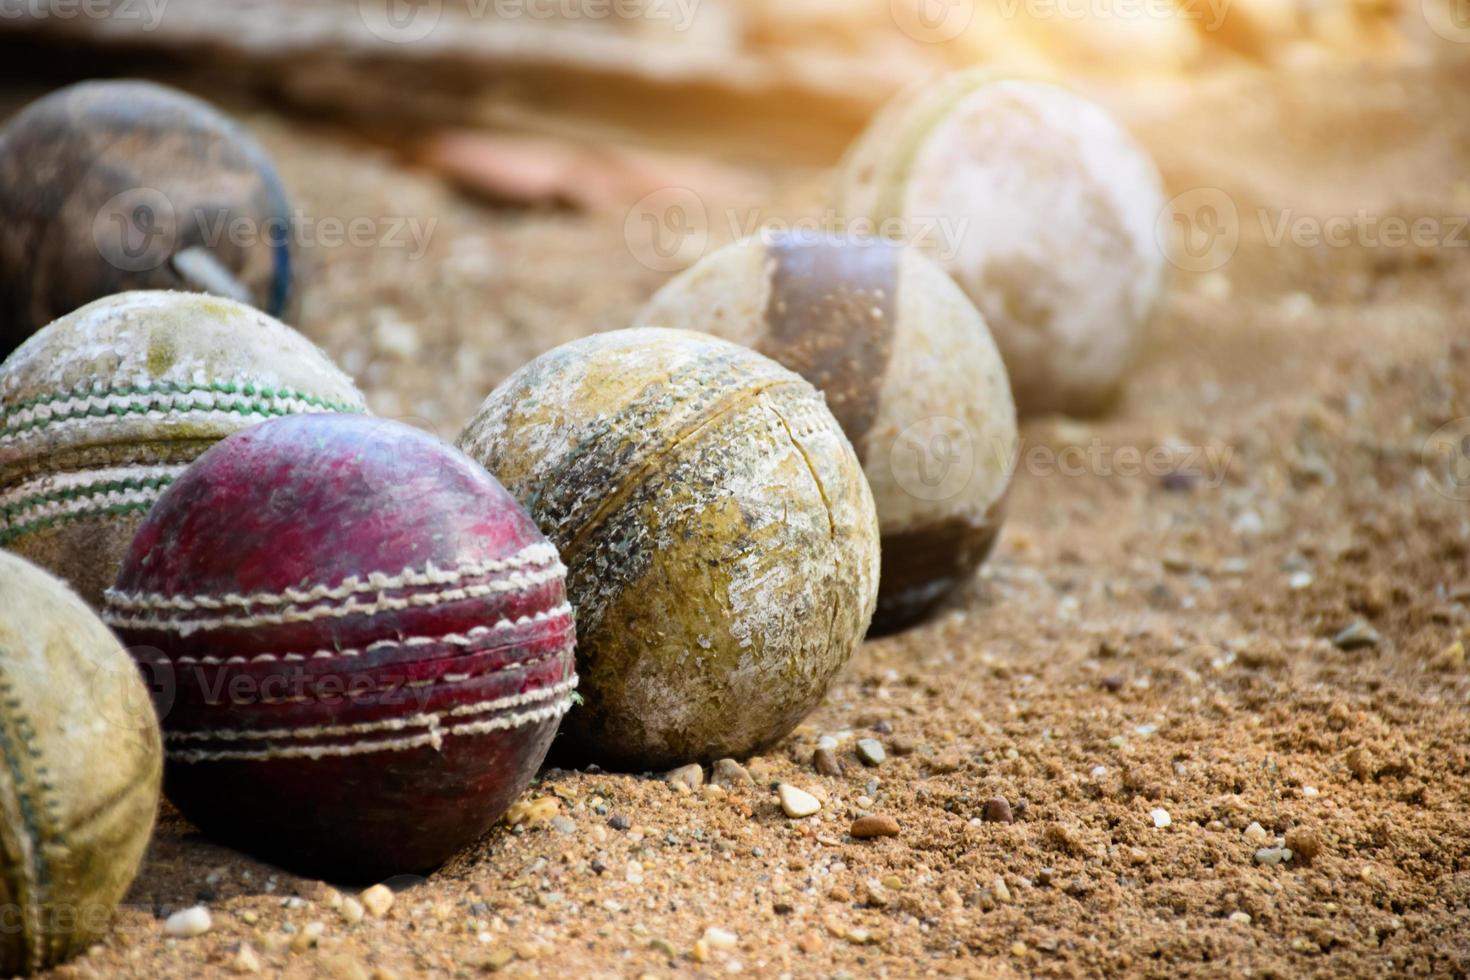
[
  {"x": 721, "y": 541},
  {"x": 908, "y": 369},
  {"x": 1043, "y": 209},
  {"x": 82, "y": 766},
  {"x": 100, "y": 410}
]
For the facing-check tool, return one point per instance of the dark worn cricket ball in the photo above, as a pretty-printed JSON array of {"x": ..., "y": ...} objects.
[
  {"x": 119, "y": 185},
  {"x": 370, "y": 642},
  {"x": 721, "y": 539},
  {"x": 82, "y": 765},
  {"x": 103, "y": 408},
  {"x": 909, "y": 370},
  {"x": 1043, "y": 209}
]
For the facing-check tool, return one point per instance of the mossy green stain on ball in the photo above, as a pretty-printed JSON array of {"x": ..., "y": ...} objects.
[{"x": 720, "y": 538}]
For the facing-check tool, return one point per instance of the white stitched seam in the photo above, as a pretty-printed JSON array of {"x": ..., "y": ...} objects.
[
  {"x": 423, "y": 720},
  {"x": 84, "y": 479},
  {"x": 81, "y": 506},
  {"x": 162, "y": 396},
  {"x": 535, "y": 554},
  {"x": 448, "y": 639},
  {"x": 277, "y": 408},
  {"x": 434, "y": 737},
  {"x": 517, "y": 582}
]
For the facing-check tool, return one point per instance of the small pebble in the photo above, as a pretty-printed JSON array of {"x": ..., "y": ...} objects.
[
  {"x": 998, "y": 810},
  {"x": 999, "y": 889},
  {"x": 377, "y": 900},
  {"x": 563, "y": 825},
  {"x": 1356, "y": 637},
  {"x": 717, "y": 938},
  {"x": 1243, "y": 918},
  {"x": 1303, "y": 844},
  {"x": 1255, "y": 833},
  {"x": 1273, "y": 855},
  {"x": 352, "y": 910},
  {"x": 797, "y": 803},
  {"x": 308, "y": 937},
  {"x": 529, "y": 813},
  {"x": 1160, "y": 818},
  {"x": 691, "y": 776},
  {"x": 497, "y": 960},
  {"x": 1360, "y": 763},
  {"x": 246, "y": 961},
  {"x": 825, "y": 762},
  {"x": 618, "y": 822},
  {"x": 870, "y": 750},
  {"x": 730, "y": 774},
  {"x": 188, "y": 923},
  {"x": 874, "y": 826}
]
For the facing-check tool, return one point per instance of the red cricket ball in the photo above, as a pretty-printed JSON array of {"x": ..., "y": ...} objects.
[{"x": 369, "y": 641}]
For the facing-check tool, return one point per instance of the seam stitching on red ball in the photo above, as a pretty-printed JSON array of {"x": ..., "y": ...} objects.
[
  {"x": 434, "y": 737},
  {"x": 410, "y": 577},
  {"x": 450, "y": 639}
]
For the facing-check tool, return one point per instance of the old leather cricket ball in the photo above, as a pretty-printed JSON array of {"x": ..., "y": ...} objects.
[
  {"x": 721, "y": 539},
  {"x": 909, "y": 370},
  {"x": 118, "y": 185},
  {"x": 370, "y": 642},
  {"x": 1043, "y": 209},
  {"x": 82, "y": 765},
  {"x": 103, "y": 408}
]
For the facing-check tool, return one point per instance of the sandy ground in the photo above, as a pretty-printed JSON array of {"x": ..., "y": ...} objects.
[{"x": 1142, "y": 643}]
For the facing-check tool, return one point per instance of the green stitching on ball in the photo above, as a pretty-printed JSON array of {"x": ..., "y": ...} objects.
[
  {"x": 248, "y": 390},
  {"x": 77, "y": 493},
  {"x": 20, "y": 755},
  {"x": 14, "y": 532},
  {"x": 115, "y": 510}
]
